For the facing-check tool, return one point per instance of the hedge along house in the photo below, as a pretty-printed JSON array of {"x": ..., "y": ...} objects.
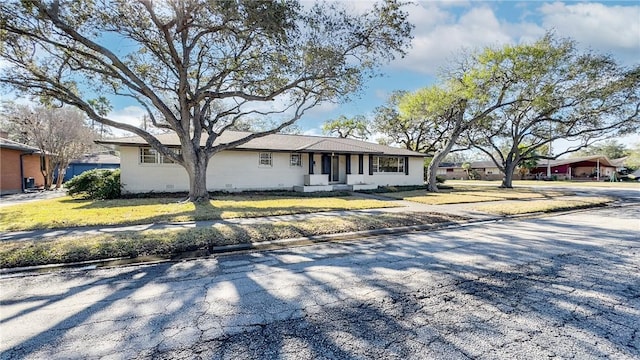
[
  {"x": 20, "y": 167},
  {"x": 274, "y": 162}
]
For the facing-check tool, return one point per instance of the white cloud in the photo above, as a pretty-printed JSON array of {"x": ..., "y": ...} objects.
[
  {"x": 313, "y": 132},
  {"x": 610, "y": 29},
  {"x": 131, "y": 115},
  {"x": 440, "y": 34},
  {"x": 442, "y": 31}
]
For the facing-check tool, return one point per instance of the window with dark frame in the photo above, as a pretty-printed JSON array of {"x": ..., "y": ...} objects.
[
  {"x": 152, "y": 156},
  {"x": 265, "y": 159},
  {"x": 388, "y": 164},
  {"x": 295, "y": 159}
]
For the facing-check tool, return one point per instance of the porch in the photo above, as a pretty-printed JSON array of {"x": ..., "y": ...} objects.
[{"x": 334, "y": 187}]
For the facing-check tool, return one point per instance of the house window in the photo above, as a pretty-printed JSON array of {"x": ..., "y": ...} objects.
[
  {"x": 265, "y": 159},
  {"x": 295, "y": 160},
  {"x": 388, "y": 164},
  {"x": 152, "y": 156},
  {"x": 148, "y": 156}
]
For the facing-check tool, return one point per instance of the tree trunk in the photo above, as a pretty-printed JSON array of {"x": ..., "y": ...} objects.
[
  {"x": 61, "y": 175},
  {"x": 432, "y": 169},
  {"x": 47, "y": 174},
  {"x": 198, "y": 178},
  {"x": 509, "y": 169}
]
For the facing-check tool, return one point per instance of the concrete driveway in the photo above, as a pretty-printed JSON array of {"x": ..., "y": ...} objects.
[
  {"x": 14, "y": 199},
  {"x": 563, "y": 286}
]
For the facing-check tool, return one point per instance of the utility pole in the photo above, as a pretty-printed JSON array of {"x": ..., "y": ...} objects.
[{"x": 549, "y": 153}]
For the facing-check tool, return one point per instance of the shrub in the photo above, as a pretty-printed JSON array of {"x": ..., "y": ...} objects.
[
  {"x": 440, "y": 179},
  {"x": 97, "y": 184}
]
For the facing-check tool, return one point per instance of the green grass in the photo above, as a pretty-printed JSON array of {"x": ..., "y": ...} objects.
[
  {"x": 168, "y": 243},
  {"x": 536, "y": 206},
  {"x": 472, "y": 194},
  {"x": 70, "y": 212}
]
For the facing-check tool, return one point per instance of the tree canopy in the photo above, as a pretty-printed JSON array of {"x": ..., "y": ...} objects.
[
  {"x": 356, "y": 127},
  {"x": 197, "y": 66},
  {"x": 611, "y": 148}
]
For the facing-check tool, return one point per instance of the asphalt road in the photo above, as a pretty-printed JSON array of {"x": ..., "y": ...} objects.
[{"x": 563, "y": 286}]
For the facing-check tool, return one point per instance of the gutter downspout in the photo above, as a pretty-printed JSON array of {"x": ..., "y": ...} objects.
[{"x": 22, "y": 171}]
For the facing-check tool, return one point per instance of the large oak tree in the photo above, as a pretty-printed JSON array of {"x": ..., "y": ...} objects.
[{"x": 197, "y": 66}]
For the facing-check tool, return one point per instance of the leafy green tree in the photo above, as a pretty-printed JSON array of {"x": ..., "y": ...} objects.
[
  {"x": 526, "y": 165},
  {"x": 633, "y": 160},
  {"x": 401, "y": 124},
  {"x": 196, "y": 66},
  {"x": 467, "y": 168},
  {"x": 610, "y": 148},
  {"x": 450, "y": 109},
  {"x": 559, "y": 93},
  {"x": 356, "y": 127}
]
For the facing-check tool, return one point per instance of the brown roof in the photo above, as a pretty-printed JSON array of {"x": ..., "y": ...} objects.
[
  {"x": 279, "y": 142},
  {"x": 97, "y": 159},
  {"x": 603, "y": 160},
  {"x": 10, "y": 144}
]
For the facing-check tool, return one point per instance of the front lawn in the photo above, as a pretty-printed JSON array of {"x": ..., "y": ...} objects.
[
  {"x": 69, "y": 212},
  {"x": 471, "y": 194},
  {"x": 168, "y": 243}
]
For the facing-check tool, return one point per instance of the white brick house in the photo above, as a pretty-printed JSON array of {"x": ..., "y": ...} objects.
[{"x": 285, "y": 162}]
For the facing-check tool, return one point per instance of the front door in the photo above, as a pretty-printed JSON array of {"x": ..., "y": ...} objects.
[{"x": 335, "y": 168}]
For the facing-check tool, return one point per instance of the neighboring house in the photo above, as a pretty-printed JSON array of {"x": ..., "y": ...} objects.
[
  {"x": 91, "y": 161},
  {"x": 483, "y": 170},
  {"x": 595, "y": 167},
  {"x": 20, "y": 167},
  {"x": 279, "y": 161}
]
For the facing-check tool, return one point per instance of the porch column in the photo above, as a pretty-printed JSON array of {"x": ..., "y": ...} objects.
[{"x": 310, "y": 163}]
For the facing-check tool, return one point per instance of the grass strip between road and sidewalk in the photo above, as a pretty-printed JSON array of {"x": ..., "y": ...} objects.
[
  {"x": 537, "y": 206},
  {"x": 168, "y": 243}
]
